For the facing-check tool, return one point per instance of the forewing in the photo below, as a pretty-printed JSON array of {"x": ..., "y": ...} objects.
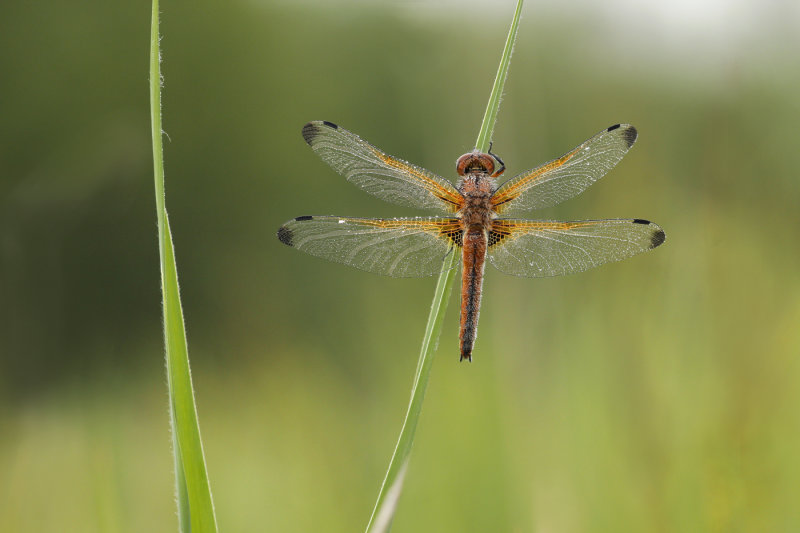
[
  {"x": 535, "y": 249},
  {"x": 379, "y": 174},
  {"x": 567, "y": 176},
  {"x": 398, "y": 247}
]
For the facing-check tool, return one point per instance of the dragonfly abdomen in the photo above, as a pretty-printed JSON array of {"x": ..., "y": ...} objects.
[{"x": 473, "y": 261}]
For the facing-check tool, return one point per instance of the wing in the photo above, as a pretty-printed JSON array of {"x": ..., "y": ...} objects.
[
  {"x": 379, "y": 174},
  {"x": 398, "y": 247},
  {"x": 535, "y": 249},
  {"x": 567, "y": 176}
]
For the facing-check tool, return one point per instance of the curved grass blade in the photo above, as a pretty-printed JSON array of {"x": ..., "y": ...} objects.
[
  {"x": 193, "y": 493},
  {"x": 385, "y": 506},
  {"x": 389, "y": 494},
  {"x": 490, "y": 116}
]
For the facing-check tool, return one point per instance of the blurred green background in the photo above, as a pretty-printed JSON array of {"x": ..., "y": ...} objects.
[{"x": 657, "y": 394}]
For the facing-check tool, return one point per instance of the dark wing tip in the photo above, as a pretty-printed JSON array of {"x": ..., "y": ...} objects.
[
  {"x": 312, "y": 130},
  {"x": 658, "y": 238},
  {"x": 467, "y": 356},
  {"x": 285, "y": 235},
  {"x": 630, "y": 134}
]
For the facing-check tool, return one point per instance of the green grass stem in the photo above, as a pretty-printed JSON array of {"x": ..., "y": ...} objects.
[
  {"x": 490, "y": 116},
  {"x": 389, "y": 494},
  {"x": 193, "y": 492}
]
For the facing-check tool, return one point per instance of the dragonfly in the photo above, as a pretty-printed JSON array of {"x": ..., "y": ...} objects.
[{"x": 475, "y": 222}]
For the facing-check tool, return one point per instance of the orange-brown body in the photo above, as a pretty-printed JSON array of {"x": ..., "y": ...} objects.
[{"x": 477, "y": 186}]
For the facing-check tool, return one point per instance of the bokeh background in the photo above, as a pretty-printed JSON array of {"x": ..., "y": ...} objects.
[{"x": 658, "y": 394}]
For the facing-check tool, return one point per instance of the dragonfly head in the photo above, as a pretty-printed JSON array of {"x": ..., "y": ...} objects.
[{"x": 479, "y": 162}]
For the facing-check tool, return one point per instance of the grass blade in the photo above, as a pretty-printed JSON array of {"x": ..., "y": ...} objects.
[
  {"x": 193, "y": 492},
  {"x": 389, "y": 494},
  {"x": 382, "y": 514},
  {"x": 490, "y": 116}
]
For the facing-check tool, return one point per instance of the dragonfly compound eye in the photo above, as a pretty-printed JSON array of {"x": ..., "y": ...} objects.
[{"x": 475, "y": 161}]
